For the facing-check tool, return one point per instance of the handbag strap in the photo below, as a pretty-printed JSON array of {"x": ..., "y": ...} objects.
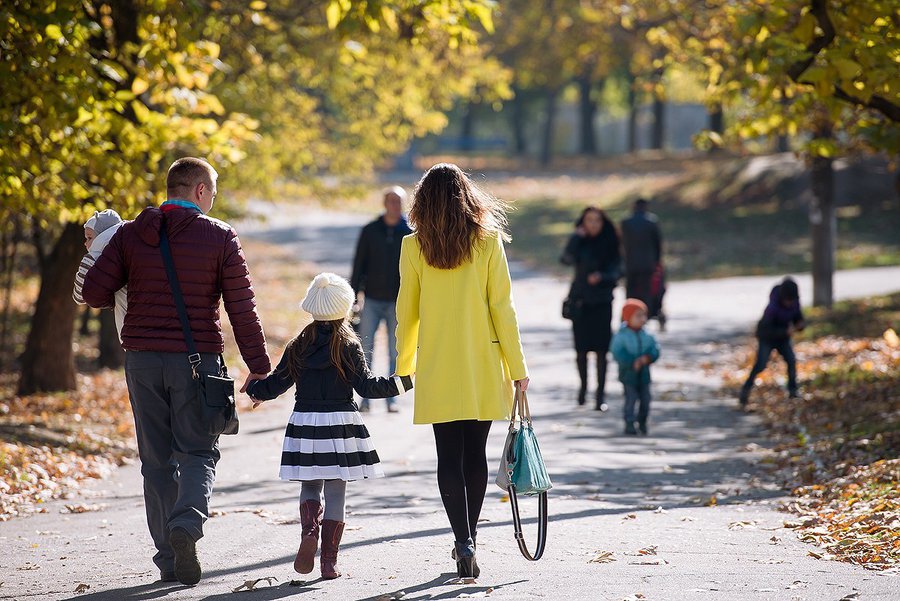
[
  {"x": 172, "y": 275},
  {"x": 520, "y": 408},
  {"x": 517, "y": 525}
]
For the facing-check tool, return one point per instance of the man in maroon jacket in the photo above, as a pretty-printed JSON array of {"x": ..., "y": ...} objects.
[{"x": 178, "y": 456}]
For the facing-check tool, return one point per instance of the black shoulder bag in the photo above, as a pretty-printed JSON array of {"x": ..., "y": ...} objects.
[{"x": 215, "y": 391}]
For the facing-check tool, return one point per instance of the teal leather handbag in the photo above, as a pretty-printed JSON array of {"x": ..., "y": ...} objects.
[{"x": 522, "y": 471}]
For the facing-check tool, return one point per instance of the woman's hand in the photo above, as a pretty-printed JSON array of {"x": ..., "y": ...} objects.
[
  {"x": 256, "y": 403},
  {"x": 580, "y": 231},
  {"x": 594, "y": 278},
  {"x": 522, "y": 384}
]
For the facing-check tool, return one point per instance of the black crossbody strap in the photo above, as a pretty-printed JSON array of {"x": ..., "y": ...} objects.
[{"x": 166, "y": 250}]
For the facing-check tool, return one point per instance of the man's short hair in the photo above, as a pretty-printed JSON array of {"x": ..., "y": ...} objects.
[
  {"x": 187, "y": 172},
  {"x": 641, "y": 204},
  {"x": 399, "y": 191}
]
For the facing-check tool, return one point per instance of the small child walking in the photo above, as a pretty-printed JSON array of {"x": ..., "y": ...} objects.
[
  {"x": 98, "y": 231},
  {"x": 326, "y": 443},
  {"x": 781, "y": 318},
  {"x": 634, "y": 349}
]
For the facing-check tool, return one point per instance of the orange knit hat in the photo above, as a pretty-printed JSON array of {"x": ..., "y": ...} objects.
[{"x": 632, "y": 305}]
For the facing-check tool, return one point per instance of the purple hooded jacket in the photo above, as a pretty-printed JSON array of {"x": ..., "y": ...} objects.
[{"x": 778, "y": 316}]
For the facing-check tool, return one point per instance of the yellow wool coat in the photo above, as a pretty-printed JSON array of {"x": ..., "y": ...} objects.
[{"x": 457, "y": 331}]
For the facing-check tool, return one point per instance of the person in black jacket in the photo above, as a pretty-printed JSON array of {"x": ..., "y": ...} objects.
[
  {"x": 376, "y": 275},
  {"x": 594, "y": 252},
  {"x": 642, "y": 242},
  {"x": 326, "y": 443},
  {"x": 782, "y": 317}
]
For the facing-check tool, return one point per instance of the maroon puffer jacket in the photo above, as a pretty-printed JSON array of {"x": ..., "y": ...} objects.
[{"x": 210, "y": 265}]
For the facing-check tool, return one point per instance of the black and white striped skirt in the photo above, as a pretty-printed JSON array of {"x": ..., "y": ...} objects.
[{"x": 329, "y": 445}]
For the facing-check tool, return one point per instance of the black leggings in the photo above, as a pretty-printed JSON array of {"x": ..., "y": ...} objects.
[{"x": 462, "y": 472}]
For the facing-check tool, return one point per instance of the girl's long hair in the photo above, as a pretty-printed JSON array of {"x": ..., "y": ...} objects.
[
  {"x": 450, "y": 214},
  {"x": 344, "y": 343}
]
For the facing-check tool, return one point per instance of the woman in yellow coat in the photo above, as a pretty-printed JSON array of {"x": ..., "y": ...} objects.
[{"x": 457, "y": 332}]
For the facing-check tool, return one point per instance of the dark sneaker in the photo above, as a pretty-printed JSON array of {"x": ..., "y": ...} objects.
[
  {"x": 187, "y": 566},
  {"x": 793, "y": 394},
  {"x": 642, "y": 426},
  {"x": 629, "y": 429},
  {"x": 168, "y": 576},
  {"x": 744, "y": 397},
  {"x": 364, "y": 407}
]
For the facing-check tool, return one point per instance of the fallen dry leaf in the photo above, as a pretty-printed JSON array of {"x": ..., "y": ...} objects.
[
  {"x": 603, "y": 557},
  {"x": 82, "y": 508},
  {"x": 250, "y": 585},
  {"x": 82, "y": 587},
  {"x": 651, "y": 550}
]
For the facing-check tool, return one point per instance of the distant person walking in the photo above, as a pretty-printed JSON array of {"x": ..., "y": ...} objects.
[
  {"x": 376, "y": 278},
  {"x": 177, "y": 448},
  {"x": 644, "y": 275},
  {"x": 593, "y": 250},
  {"x": 781, "y": 319},
  {"x": 457, "y": 331}
]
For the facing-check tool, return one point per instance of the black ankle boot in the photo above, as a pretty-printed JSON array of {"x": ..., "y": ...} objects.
[
  {"x": 465, "y": 558},
  {"x": 582, "y": 396},
  {"x": 476, "y": 571}
]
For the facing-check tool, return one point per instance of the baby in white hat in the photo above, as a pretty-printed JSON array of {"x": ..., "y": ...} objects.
[
  {"x": 98, "y": 231},
  {"x": 326, "y": 442}
]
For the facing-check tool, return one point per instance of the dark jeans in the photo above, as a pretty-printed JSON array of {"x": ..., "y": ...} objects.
[
  {"x": 784, "y": 349},
  {"x": 462, "y": 472},
  {"x": 637, "y": 394},
  {"x": 178, "y": 456}
]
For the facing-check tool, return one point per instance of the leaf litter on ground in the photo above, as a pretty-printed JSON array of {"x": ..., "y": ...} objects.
[{"x": 837, "y": 446}]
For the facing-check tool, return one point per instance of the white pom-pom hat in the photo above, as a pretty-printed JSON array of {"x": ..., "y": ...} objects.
[{"x": 328, "y": 298}]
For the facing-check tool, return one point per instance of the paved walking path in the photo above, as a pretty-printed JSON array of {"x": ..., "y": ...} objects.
[{"x": 611, "y": 494}]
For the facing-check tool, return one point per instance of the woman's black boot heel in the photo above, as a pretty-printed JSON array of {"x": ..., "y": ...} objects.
[{"x": 465, "y": 559}]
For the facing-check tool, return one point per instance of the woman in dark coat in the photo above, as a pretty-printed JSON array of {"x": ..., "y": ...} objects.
[{"x": 594, "y": 252}]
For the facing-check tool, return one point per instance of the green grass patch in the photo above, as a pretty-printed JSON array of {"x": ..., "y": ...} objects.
[{"x": 861, "y": 318}]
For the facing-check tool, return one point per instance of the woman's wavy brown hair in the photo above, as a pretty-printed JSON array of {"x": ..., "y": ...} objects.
[
  {"x": 344, "y": 342},
  {"x": 451, "y": 214}
]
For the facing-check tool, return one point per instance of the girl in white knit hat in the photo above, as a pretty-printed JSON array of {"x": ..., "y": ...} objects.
[{"x": 326, "y": 443}]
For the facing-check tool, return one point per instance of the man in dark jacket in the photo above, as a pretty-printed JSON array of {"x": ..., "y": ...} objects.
[
  {"x": 178, "y": 454},
  {"x": 780, "y": 320},
  {"x": 376, "y": 274},
  {"x": 642, "y": 243}
]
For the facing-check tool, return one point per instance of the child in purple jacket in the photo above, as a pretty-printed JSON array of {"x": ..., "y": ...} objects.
[{"x": 780, "y": 320}]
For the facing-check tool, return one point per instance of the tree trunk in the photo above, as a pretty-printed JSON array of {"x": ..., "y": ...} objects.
[
  {"x": 11, "y": 238},
  {"x": 823, "y": 225},
  {"x": 658, "y": 133},
  {"x": 632, "y": 114},
  {"x": 782, "y": 143},
  {"x": 587, "y": 111},
  {"x": 47, "y": 363},
  {"x": 466, "y": 136},
  {"x": 716, "y": 119},
  {"x": 549, "y": 126},
  {"x": 517, "y": 120},
  {"x": 112, "y": 355}
]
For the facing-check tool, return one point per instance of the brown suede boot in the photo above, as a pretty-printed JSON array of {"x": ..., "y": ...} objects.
[
  {"x": 331, "y": 541},
  {"x": 310, "y": 520}
]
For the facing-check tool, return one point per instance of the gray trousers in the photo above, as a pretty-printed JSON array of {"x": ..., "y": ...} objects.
[{"x": 178, "y": 456}]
